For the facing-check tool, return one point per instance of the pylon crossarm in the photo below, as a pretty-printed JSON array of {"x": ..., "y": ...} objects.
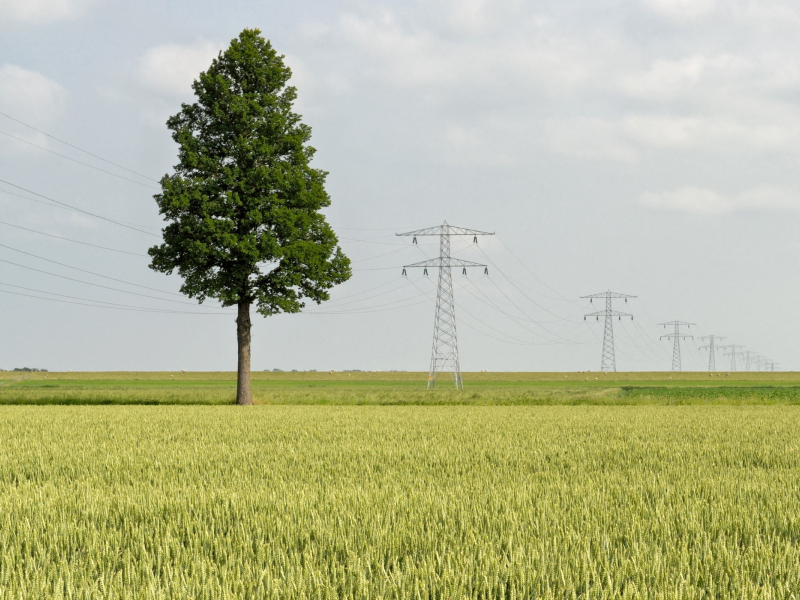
[
  {"x": 613, "y": 313},
  {"x": 609, "y": 295},
  {"x": 444, "y": 230},
  {"x": 444, "y": 262}
]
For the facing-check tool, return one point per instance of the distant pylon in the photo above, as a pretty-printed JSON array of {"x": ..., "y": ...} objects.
[
  {"x": 677, "y": 336},
  {"x": 769, "y": 365},
  {"x": 750, "y": 356},
  {"x": 711, "y": 340},
  {"x": 444, "y": 354},
  {"x": 608, "y": 362},
  {"x": 732, "y": 353}
]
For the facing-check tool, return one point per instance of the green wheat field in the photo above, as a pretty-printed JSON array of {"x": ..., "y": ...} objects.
[{"x": 363, "y": 485}]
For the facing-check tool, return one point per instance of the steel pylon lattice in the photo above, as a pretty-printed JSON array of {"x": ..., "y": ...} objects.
[
  {"x": 733, "y": 354},
  {"x": 712, "y": 339},
  {"x": 444, "y": 353},
  {"x": 677, "y": 336},
  {"x": 750, "y": 357},
  {"x": 608, "y": 362}
]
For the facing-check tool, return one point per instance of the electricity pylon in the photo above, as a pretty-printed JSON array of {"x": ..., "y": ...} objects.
[
  {"x": 711, "y": 339},
  {"x": 677, "y": 336},
  {"x": 769, "y": 365},
  {"x": 732, "y": 353},
  {"x": 749, "y": 356},
  {"x": 444, "y": 355},
  {"x": 608, "y": 362}
]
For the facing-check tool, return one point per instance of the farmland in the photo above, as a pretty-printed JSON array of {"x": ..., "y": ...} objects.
[
  {"x": 400, "y": 388},
  {"x": 635, "y": 486},
  {"x": 399, "y": 502}
]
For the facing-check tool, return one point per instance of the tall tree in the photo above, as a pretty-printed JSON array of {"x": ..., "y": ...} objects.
[{"x": 243, "y": 206}]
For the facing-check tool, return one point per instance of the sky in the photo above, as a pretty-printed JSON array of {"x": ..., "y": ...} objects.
[{"x": 648, "y": 147}]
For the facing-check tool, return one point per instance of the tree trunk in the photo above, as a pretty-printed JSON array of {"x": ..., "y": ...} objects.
[{"x": 243, "y": 395}]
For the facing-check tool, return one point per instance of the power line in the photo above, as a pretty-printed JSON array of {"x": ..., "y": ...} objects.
[
  {"x": 535, "y": 275},
  {"x": 489, "y": 302},
  {"x": 13, "y": 137},
  {"x": 367, "y": 291},
  {"x": 80, "y": 210},
  {"x": 517, "y": 341},
  {"x": 58, "y": 237},
  {"x": 380, "y": 255},
  {"x": 77, "y": 148},
  {"x": 89, "y": 272},
  {"x": 105, "y": 287},
  {"x": 365, "y": 308},
  {"x": 511, "y": 281},
  {"x": 69, "y": 208},
  {"x": 100, "y": 306},
  {"x": 394, "y": 289},
  {"x": 102, "y": 302}
]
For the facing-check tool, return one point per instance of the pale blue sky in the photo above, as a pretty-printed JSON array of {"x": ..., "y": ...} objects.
[{"x": 647, "y": 146}]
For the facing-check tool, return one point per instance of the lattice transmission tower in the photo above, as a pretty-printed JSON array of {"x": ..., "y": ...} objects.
[
  {"x": 733, "y": 353},
  {"x": 444, "y": 354},
  {"x": 608, "y": 362},
  {"x": 712, "y": 339},
  {"x": 750, "y": 357},
  {"x": 677, "y": 336}
]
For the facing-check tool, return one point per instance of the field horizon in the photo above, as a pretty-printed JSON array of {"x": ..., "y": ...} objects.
[{"x": 400, "y": 388}]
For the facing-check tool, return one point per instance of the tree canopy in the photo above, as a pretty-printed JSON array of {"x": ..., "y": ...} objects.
[{"x": 243, "y": 206}]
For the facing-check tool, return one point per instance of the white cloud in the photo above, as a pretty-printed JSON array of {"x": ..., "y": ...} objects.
[
  {"x": 702, "y": 201},
  {"x": 28, "y": 95},
  {"x": 32, "y": 98},
  {"x": 578, "y": 89},
  {"x": 408, "y": 57},
  {"x": 682, "y": 9},
  {"x": 171, "y": 68},
  {"x": 761, "y": 126},
  {"x": 589, "y": 138},
  {"x": 42, "y": 11}
]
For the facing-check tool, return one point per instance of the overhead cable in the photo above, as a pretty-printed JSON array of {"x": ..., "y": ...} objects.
[
  {"x": 534, "y": 274},
  {"x": 52, "y": 137},
  {"x": 80, "y": 210},
  {"x": 89, "y": 272},
  {"x": 100, "y": 302},
  {"x": 80, "y": 162},
  {"x": 58, "y": 237},
  {"x": 102, "y": 306},
  {"x": 105, "y": 287}
]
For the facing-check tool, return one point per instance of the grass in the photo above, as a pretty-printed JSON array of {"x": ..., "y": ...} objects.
[
  {"x": 358, "y": 502},
  {"x": 332, "y": 388}
]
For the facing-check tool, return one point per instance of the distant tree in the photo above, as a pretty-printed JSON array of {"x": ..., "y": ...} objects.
[{"x": 243, "y": 206}]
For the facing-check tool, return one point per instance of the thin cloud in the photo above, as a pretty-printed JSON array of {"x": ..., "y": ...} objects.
[
  {"x": 42, "y": 11},
  {"x": 171, "y": 68},
  {"x": 702, "y": 201}
]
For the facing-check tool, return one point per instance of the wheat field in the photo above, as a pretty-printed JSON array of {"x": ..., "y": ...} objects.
[{"x": 399, "y": 502}]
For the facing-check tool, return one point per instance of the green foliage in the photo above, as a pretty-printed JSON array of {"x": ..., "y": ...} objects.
[
  {"x": 363, "y": 388},
  {"x": 728, "y": 394},
  {"x": 394, "y": 503},
  {"x": 243, "y": 204}
]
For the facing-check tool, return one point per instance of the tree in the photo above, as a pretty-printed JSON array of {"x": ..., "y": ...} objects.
[{"x": 243, "y": 206}]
